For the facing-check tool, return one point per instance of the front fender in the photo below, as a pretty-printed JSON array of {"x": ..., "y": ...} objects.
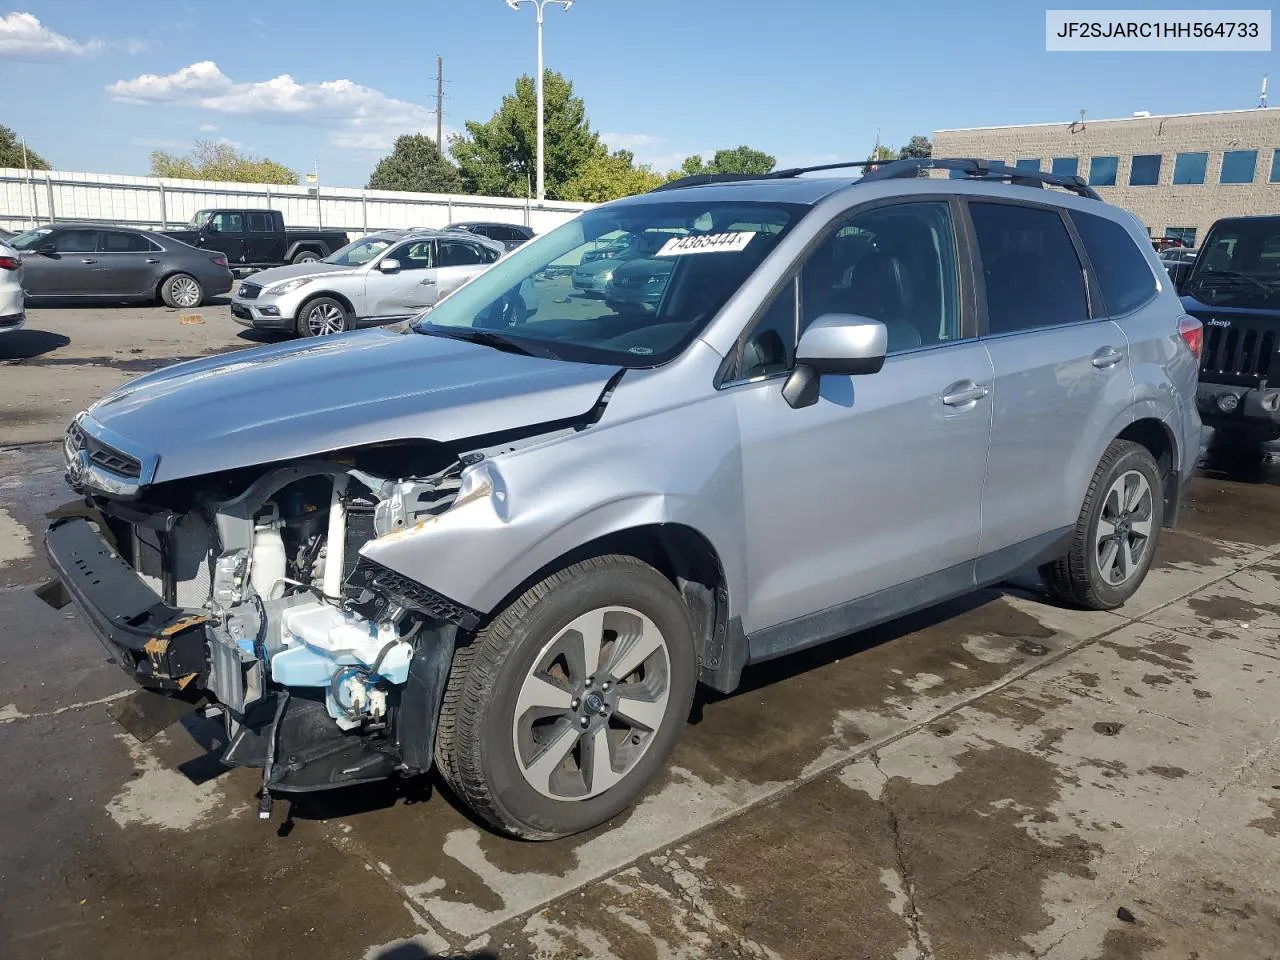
[{"x": 536, "y": 505}]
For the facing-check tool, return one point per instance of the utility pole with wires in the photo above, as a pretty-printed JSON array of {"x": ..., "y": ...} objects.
[{"x": 440, "y": 104}]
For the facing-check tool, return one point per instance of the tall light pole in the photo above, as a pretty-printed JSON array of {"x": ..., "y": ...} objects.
[{"x": 539, "y": 6}]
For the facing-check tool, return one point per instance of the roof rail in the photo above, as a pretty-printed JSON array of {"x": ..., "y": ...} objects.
[
  {"x": 701, "y": 179},
  {"x": 975, "y": 169}
]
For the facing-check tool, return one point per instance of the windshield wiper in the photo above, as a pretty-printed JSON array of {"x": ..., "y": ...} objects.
[
  {"x": 1235, "y": 275},
  {"x": 489, "y": 338}
]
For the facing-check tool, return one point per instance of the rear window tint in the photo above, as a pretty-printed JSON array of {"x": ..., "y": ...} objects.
[{"x": 1126, "y": 279}]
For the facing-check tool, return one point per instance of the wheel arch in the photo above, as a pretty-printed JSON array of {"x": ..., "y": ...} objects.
[
  {"x": 687, "y": 558},
  {"x": 1154, "y": 434},
  {"x": 325, "y": 294},
  {"x": 310, "y": 246},
  {"x": 169, "y": 275}
]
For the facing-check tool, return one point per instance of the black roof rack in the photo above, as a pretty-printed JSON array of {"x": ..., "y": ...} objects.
[
  {"x": 982, "y": 170},
  {"x": 972, "y": 168}
]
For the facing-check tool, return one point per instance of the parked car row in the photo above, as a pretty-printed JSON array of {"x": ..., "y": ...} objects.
[
  {"x": 377, "y": 279},
  {"x": 184, "y": 268}
]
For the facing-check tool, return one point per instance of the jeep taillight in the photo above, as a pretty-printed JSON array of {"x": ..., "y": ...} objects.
[
  {"x": 1192, "y": 331},
  {"x": 9, "y": 263}
]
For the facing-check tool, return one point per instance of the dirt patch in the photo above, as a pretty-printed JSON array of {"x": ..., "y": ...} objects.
[
  {"x": 1108, "y": 728},
  {"x": 1169, "y": 773},
  {"x": 1156, "y": 680}
]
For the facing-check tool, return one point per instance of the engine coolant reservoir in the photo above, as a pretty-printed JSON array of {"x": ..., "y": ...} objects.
[
  {"x": 319, "y": 638},
  {"x": 268, "y": 569}
]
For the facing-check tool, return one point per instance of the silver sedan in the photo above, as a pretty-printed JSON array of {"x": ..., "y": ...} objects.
[{"x": 379, "y": 278}]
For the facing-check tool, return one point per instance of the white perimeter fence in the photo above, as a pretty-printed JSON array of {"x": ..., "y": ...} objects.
[{"x": 29, "y": 197}]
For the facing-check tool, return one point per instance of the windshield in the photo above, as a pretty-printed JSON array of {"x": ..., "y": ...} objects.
[
  {"x": 358, "y": 252},
  {"x": 29, "y": 239},
  {"x": 1239, "y": 265},
  {"x": 631, "y": 284},
  {"x": 197, "y": 218}
]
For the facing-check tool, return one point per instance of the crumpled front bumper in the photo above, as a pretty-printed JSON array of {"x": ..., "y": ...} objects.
[{"x": 160, "y": 646}]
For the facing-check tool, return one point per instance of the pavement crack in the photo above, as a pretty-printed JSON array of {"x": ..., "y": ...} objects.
[
  {"x": 911, "y": 913},
  {"x": 11, "y": 714}
]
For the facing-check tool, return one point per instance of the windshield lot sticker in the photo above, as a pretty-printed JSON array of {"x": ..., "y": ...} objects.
[
  {"x": 706, "y": 243},
  {"x": 643, "y": 351}
]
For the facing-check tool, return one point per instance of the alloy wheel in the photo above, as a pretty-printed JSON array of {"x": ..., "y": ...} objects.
[
  {"x": 185, "y": 292},
  {"x": 591, "y": 703},
  {"x": 1124, "y": 528},
  {"x": 324, "y": 319}
]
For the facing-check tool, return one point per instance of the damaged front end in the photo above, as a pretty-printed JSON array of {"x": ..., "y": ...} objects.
[{"x": 247, "y": 591}]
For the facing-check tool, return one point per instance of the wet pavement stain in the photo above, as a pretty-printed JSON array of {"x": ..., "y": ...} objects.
[
  {"x": 1127, "y": 943},
  {"x": 783, "y": 715},
  {"x": 1217, "y": 608},
  {"x": 1023, "y": 709},
  {"x": 1159, "y": 648},
  {"x": 1108, "y": 728},
  {"x": 978, "y": 871},
  {"x": 1179, "y": 549},
  {"x": 1269, "y": 825},
  {"x": 1169, "y": 773}
]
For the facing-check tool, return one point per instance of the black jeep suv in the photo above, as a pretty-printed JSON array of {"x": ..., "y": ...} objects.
[{"x": 1234, "y": 291}]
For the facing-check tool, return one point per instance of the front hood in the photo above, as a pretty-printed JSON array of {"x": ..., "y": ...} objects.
[
  {"x": 595, "y": 268},
  {"x": 316, "y": 268},
  {"x": 307, "y": 397}
]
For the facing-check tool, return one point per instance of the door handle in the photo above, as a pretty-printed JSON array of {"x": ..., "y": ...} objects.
[
  {"x": 1107, "y": 357},
  {"x": 151, "y": 260},
  {"x": 88, "y": 260},
  {"x": 427, "y": 283},
  {"x": 964, "y": 392}
]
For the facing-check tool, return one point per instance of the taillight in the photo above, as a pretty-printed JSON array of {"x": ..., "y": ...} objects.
[
  {"x": 220, "y": 261},
  {"x": 10, "y": 263},
  {"x": 1192, "y": 332}
]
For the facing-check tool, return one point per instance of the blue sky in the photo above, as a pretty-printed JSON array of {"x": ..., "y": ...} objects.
[{"x": 97, "y": 85}]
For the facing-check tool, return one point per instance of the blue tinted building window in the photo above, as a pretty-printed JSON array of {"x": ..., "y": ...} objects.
[
  {"x": 1145, "y": 170},
  {"x": 1102, "y": 171},
  {"x": 1190, "y": 167},
  {"x": 1239, "y": 166},
  {"x": 1066, "y": 166}
]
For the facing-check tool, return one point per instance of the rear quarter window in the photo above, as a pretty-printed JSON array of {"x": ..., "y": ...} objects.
[{"x": 1121, "y": 268}]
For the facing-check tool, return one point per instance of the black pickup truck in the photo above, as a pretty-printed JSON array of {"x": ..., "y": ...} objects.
[
  {"x": 1233, "y": 289},
  {"x": 256, "y": 238}
]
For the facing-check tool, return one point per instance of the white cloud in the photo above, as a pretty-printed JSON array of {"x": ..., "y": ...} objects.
[
  {"x": 24, "y": 37},
  {"x": 207, "y": 127},
  {"x": 630, "y": 141},
  {"x": 362, "y": 118}
]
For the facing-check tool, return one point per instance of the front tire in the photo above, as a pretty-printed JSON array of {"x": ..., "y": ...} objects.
[
  {"x": 181, "y": 292},
  {"x": 564, "y": 708},
  {"x": 323, "y": 317},
  {"x": 1116, "y": 533}
]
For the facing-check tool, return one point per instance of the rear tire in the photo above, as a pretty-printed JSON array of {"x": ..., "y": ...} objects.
[
  {"x": 1116, "y": 533},
  {"x": 181, "y": 292},
  {"x": 322, "y": 317},
  {"x": 587, "y": 741},
  {"x": 306, "y": 256}
]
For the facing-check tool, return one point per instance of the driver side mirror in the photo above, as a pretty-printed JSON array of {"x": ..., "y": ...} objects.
[
  {"x": 46, "y": 249},
  {"x": 390, "y": 265},
  {"x": 837, "y": 344}
]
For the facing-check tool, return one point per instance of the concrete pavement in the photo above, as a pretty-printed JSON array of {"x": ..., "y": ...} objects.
[{"x": 995, "y": 778}]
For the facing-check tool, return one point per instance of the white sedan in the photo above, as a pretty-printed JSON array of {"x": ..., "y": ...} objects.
[{"x": 12, "y": 309}]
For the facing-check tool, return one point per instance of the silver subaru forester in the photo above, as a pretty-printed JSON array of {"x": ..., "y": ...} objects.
[{"x": 510, "y": 547}]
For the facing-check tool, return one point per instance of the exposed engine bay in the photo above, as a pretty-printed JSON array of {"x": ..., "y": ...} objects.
[{"x": 326, "y": 666}]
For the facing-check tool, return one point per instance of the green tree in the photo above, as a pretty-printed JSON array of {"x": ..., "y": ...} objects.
[
  {"x": 882, "y": 154},
  {"x": 742, "y": 159},
  {"x": 499, "y": 157},
  {"x": 416, "y": 163},
  {"x": 610, "y": 176},
  {"x": 918, "y": 148},
  {"x": 11, "y": 152},
  {"x": 210, "y": 160}
]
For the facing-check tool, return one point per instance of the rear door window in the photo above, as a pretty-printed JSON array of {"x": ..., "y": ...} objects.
[
  {"x": 1122, "y": 271},
  {"x": 117, "y": 241},
  {"x": 459, "y": 253},
  {"x": 1029, "y": 264},
  {"x": 259, "y": 222}
]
